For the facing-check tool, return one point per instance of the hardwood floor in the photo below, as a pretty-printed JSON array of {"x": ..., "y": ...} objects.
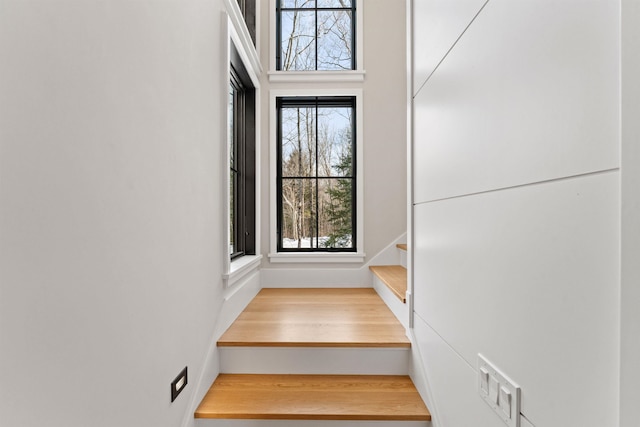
[
  {"x": 316, "y": 318},
  {"x": 313, "y": 397}
]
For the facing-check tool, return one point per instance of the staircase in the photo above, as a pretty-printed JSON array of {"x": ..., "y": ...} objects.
[
  {"x": 390, "y": 281},
  {"x": 314, "y": 357}
]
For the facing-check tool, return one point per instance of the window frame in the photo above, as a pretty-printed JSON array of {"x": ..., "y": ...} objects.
[
  {"x": 323, "y": 256},
  {"x": 316, "y": 103},
  {"x": 238, "y": 43},
  {"x": 249, "y": 11},
  {"x": 242, "y": 160},
  {"x": 316, "y": 10},
  {"x": 356, "y": 75}
]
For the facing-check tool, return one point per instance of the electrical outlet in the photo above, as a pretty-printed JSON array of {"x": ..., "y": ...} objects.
[
  {"x": 178, "y": 384},
  {"x": 499, "y": 392}
]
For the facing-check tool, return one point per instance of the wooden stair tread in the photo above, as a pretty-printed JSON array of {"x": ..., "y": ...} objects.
[
  {"x": 316, "y": 318},
  {"x": 395, "y": 277},
  {"x": 313, "y": 397},
  {"x": 402, "y": 246}
]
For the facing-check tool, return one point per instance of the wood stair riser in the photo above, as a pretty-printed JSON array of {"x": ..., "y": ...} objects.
[{"x": 300, "y": 360}]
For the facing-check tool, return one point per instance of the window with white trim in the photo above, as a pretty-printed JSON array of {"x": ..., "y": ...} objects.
[
  {"x": 316, "y": 174},
  {"x": 241, "y": 150}
]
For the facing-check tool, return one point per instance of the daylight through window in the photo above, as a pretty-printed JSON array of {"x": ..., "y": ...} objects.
[
  {"x": 316, "y": 174},
  {"x": 315, "y": 35}
]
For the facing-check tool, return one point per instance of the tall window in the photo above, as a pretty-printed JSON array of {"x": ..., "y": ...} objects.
[
  {"x": 316, "y": 174},
  {"x": 315, "y": 35},
  {"x": 241, "y": 126}
]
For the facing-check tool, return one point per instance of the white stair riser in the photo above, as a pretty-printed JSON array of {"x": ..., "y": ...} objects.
[
  {"x": 307, "y": 423},
  {"x": 403, "y": 258},
  {"x": 397, "y": 307},
  {"x": 314, "y": 360}
]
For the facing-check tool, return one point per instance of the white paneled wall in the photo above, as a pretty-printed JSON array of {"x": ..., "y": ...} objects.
[
  {"x": 453, "y": 382},
  {"x": 528, "y": 278},
  {"x": 516, "y": 205},
  {"x": 630, "y": 271},
  {"x": 529, "y": 93},
  {"x": 442, "y": 22}
]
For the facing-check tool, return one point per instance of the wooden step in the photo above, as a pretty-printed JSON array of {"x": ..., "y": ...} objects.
[
  {"x": 316, "y": 318},
  {"x": 402, "y": 246},
  {"x": 394, "y": 276},
  {"x": 313, "y": 397}
]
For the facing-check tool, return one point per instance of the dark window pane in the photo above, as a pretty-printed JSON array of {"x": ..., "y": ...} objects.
[
  {"x": 334, "y": 40},
  {"x": 297, "y": 3},
  {"x": 335, "y": 212},
  {"x": 297, "y": 38},
  {"x": 230, "y": 116},
  {"x": 232, "y": 212},
  {"x": 241, "y": 144},
  {"x": 299, "y": 216},
  {"x": 298, "y": 142},
  {"x": 335, "y": 142},
  {"x": 335, "y": 3}
]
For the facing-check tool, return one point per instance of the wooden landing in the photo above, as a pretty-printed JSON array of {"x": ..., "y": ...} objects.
[
  {"x": 313, "y": 397},
  {"x": 395, "y": 277},
  {"x": 316, "y": 318}
]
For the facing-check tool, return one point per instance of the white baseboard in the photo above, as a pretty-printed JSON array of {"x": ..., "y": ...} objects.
[
  {"x": 235, "y": 300},
  {"x": 418, "y": 375}
]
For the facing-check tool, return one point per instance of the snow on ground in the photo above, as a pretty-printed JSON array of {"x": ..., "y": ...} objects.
[
  {"x": 317, "y": 243},
  {"x": 306, "y": 242}
]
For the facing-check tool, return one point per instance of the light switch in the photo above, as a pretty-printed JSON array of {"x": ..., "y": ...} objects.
[
  {"x": 502, "y": 394},
  {"x": 505, "y": 401},
  {"x": 484, "y": 381},
  {"x": 493, "y": 389}
]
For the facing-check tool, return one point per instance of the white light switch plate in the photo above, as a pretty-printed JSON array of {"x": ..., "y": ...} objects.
[{"x": 508, "y": 409}]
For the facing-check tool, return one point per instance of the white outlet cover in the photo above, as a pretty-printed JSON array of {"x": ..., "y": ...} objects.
[{"x": 503, "y": 382}]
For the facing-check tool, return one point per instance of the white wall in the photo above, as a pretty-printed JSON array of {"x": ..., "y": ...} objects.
[
  {"x": 630, "y": 315},
  {"x": 110, "y": 192},
  {"x": 384, "y": 129},
  {"x": 516, "y": 206}
]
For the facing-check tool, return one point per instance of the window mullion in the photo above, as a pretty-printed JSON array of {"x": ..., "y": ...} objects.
[
  {"x": 316, "y": 41},
  {"x": 317, "y": 181}
]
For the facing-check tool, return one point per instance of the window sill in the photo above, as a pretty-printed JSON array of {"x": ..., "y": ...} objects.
[
  {"x": 316, "y": 76},
  {"x": 240, "y": 268},
  {"x": 328, "y": 258}
]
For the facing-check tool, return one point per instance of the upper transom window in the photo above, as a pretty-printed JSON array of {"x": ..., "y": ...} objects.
[{"x": 315, "y": 35}]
